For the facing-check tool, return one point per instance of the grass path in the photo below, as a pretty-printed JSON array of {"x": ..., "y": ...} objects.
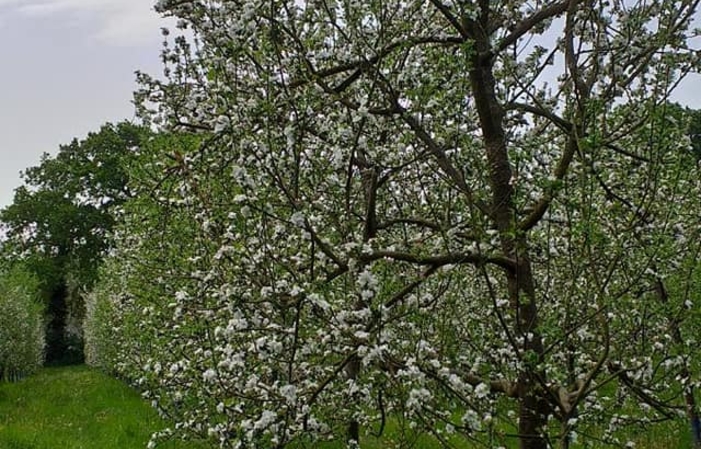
[{"x": 76, "y": 408}]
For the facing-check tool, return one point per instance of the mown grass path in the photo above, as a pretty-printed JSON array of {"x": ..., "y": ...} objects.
[{"x": 76, "y": 408}]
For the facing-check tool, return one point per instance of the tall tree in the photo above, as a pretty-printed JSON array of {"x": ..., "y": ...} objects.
[{"x": 60, "y": 220}]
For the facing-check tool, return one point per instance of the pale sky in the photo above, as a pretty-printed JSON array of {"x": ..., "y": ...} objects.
[{"x": 68, "y": 67}]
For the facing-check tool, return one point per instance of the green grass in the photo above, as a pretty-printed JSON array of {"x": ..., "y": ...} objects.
[
  {"x": 77, "y": 408},
  {"x": 80, "y": 408}
]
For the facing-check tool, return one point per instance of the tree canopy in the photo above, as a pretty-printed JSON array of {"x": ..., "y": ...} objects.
[
  {"x": 59, "y": 224},
  {"x": 63, "y": 211}
]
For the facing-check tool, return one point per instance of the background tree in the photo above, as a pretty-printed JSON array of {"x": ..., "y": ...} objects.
[{"x": 59, "y": 223}]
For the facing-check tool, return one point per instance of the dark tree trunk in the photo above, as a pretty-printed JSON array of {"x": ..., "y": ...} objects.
[
  {"x": 353, "y": 370},
  {"x": 56, "y": 345},
  {"x": 521, "y": 287}
]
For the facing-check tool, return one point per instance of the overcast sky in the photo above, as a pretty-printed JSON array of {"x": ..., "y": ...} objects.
[{"x": 68, "y": 67}]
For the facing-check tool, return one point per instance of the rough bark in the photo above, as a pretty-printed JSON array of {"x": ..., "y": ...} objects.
[
  {"x": 521, "y": 288},
  {"x": 370, "y": 185}
]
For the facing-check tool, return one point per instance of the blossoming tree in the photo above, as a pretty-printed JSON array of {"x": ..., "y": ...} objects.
[{"x": 474, "y": 220}]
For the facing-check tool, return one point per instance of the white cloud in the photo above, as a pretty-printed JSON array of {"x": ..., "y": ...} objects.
[{"x": 116, "y": 22}]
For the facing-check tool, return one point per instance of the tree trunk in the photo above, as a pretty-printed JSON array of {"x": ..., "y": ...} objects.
[
  {"x": 693, "y": 416},
  {"x": 521, "y": 287},
  {"x": 533, "y": 406},
  {"x": 352, "y": 371},
  {"x": 56, "y": 344},
  {"x": 370, "y": 176}
]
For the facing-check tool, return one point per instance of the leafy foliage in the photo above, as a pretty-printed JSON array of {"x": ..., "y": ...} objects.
[
  {"x": 62, "y": 215},
  {"x": 21, "y": 326},
  {"x": 58, "y": 226}
]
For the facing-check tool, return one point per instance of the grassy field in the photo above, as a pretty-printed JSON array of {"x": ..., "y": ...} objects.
[
  {"x": 76, "y": 408},
  {"x": 80, "y": 408}
]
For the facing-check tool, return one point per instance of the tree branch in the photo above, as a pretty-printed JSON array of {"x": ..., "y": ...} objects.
[
  {"x": 446, "y": 259},
  {"x": 451, "y": 18},
  {"x": 411, "y": 221},
  {"x": 526, "y": 25},
  {"x": 540, "y": 112},
  {"x": 543, "y": 204},
  {"x": 443, "y": 161},
  {"x": 363, "y": 64}
]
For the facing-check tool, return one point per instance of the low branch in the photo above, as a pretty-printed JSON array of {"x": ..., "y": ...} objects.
[
  {"x": 567, "y": 398},
  {"x": 446, "y": 259},
  {"x": 503, "y": 386},
  {"x": 582, "y": 390},
  {"x": 411, "y": 221},
  {"x": 508, "y": 388},
  {"x": 640, "y": 392},
  {"x": 541, "y": 207}
]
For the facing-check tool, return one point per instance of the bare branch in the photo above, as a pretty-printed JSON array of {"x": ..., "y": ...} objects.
[
  {"x": 411, "y": 221},
  {"x": 451, "y": 18},
  {"x": 447, "y": 259},
  {"x": 543, "y": 204},
  {"x": 526, "y": 25}
]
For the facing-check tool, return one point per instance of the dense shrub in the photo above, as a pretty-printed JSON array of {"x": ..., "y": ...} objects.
[{"x": 21, "y": 326}]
